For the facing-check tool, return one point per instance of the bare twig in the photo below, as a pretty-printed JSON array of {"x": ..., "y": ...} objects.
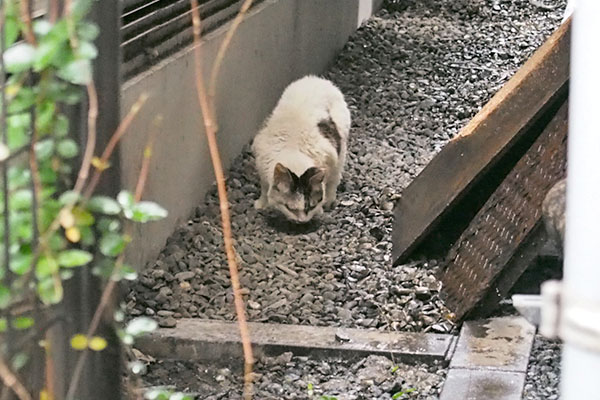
[
  {"x": 53, "y": 10},
  {"x": 27, "y": 21},
  {"x": 11, "y": 381},
  {"x": 86, "y": 160},
  {"x": 214, "y": 74},
  {"x": 207, "y": 109},
  {"x": 139, "y": 188},
  {"x": 112, "y": 143}
]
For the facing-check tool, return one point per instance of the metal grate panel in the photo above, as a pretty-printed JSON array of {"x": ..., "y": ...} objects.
[
  {"x": 153, "y": 30},
  {"x": 506, "y": 220}
]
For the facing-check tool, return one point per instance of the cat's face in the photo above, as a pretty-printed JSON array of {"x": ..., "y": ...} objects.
[{"x": 299, "y": 198}]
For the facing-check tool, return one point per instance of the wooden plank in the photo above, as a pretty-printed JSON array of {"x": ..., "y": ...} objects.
[
  {"x": 476, "y": 264},
  {"x": 219, "y": 342},
  {"x": 506, "y": 118}
]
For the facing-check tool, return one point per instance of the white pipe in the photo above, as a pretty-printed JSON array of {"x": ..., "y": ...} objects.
[{"x": 581, "y": 367}]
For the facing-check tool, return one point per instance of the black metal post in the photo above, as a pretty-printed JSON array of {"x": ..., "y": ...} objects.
[{"x": 101, "y": 377}]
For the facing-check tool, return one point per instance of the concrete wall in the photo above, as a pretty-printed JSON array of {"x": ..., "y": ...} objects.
[{"x": 279, "y": 41}]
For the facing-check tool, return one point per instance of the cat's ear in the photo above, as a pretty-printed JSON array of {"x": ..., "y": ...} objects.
[
  {"x": 314, "y": 176},
  {"x": 282, "y": 178}
]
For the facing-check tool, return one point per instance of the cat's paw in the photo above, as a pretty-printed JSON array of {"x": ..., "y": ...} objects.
[
  {"x": 329, "y": 205},
  {"x": 260, "y": 204}
]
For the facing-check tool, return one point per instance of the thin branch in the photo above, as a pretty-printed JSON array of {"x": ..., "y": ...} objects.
[
  {"x": 207, "y": 110},
  {"x": 25, "y": 10},
  {"x": 11, "y": 381},
  {"x": 112, "y": 143},
  {"x": 54, "y": 10},
  {"x": 91, "y": 138},
  {"x": 214, "y": 74},
  {"x": 139, "y": 188}
]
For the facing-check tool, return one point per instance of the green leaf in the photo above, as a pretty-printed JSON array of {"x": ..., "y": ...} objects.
[
  {"x": 145, "y": 211},
  {"x": 21, "y": 263},
  {"x": 87, "y": 50},
  {"x": 18, "y": 126},
  {"x": 82, "y": 217},
  {"x": 108, "y": 225},
  {"x": 42, "y": 27},
  {"x": 46, "y": 53},
  {"x": 87, "y": 236},
  {"x": 125, "y": 272},
  {"x": 5, "y": 297},
  {"x": 21, "y": 199},
  {"x": 67, "y": 148},
  {"x": 18, "y": 177},
  {"x": 126, "y": 200},
  {"x": 11, "y": 31},
  {"x": 69, "y": 197},
  {"x": 19, "y": 57},
  {"x": 45, "y": 116},
  {"x": 78, "y": 72},
  {"x": 180, "y": 396},
  {"x": 46, "y": 266},
  {"x": 23, "y": 100},
  {"x": 140, "y": 326},
  {"x": 74, "y": 258},
  {"x": 137, "y": 367},
  {"x": 112, "y": 244},
  {"x": 44, "y": 149},
  {"x": 19, "y": 361},
  {"x": 50, "y": 291},
  {"x": 80, "y": 8},
  {"x": 104, "y": 205},
  {"x": 88, "y": 31},
  {"x": 61, "y": 125},
  {"x": 3, "y": 325},
  {"x": 400, "y": 394},
  {"x": 22, "y": 323}
]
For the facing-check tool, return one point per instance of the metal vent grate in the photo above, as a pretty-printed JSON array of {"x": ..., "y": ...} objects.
[
  {"x": 505, "y": 222},
  {"x": 154, "y": 29}
]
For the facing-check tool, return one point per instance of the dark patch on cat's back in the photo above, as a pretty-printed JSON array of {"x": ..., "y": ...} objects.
[{"x": 329, "y": 130}]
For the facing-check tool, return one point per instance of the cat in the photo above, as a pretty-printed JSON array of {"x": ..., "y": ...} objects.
[{"x": 301, "y": 150}]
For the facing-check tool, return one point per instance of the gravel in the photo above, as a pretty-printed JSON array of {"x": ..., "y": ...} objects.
[
  {"x": 290, "y": 377},
  {"x": 543, "y": 372},
  {"x": 413, "y": 75}
]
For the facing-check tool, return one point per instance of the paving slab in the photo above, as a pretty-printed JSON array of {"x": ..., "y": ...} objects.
[
  {"x": 500, "y": 344},
  {"x": 468, "y": 384},
  {"x": 215, "y": 341}
]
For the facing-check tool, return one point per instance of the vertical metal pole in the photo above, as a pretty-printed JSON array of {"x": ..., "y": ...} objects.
[
  {"x": 101, "y": 378},
  {"x": 581, "y": 367}
]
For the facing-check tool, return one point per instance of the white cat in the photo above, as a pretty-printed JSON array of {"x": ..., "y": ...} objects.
[{"x": 301, "y": 150}]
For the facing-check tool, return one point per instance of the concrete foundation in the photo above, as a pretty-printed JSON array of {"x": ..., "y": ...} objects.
[{"x": 278, "y": 42}]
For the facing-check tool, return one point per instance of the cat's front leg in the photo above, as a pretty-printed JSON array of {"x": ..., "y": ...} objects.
[
  {"x": 263, "y": 200},
  {"x": 331, "y": 190}
]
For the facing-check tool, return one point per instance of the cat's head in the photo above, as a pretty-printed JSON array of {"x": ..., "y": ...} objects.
[{"x": 299, "y": 198}]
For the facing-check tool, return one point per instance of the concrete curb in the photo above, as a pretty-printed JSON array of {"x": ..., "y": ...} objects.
[
  {"x": 490, "y": 360},
  {"x": 219, "y": 342}
]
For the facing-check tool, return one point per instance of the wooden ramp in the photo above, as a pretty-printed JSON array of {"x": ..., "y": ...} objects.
[{"x": 481, "y": 196}]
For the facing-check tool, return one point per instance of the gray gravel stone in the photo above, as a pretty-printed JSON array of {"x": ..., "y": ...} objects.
[
  {"x": 543, "y": 371},
  {"x": 412, "y": 75},
  {"x": 289, "y": 377}
]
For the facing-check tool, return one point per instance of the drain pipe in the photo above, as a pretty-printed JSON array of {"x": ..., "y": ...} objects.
[{"x": 580, "y": 300}]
